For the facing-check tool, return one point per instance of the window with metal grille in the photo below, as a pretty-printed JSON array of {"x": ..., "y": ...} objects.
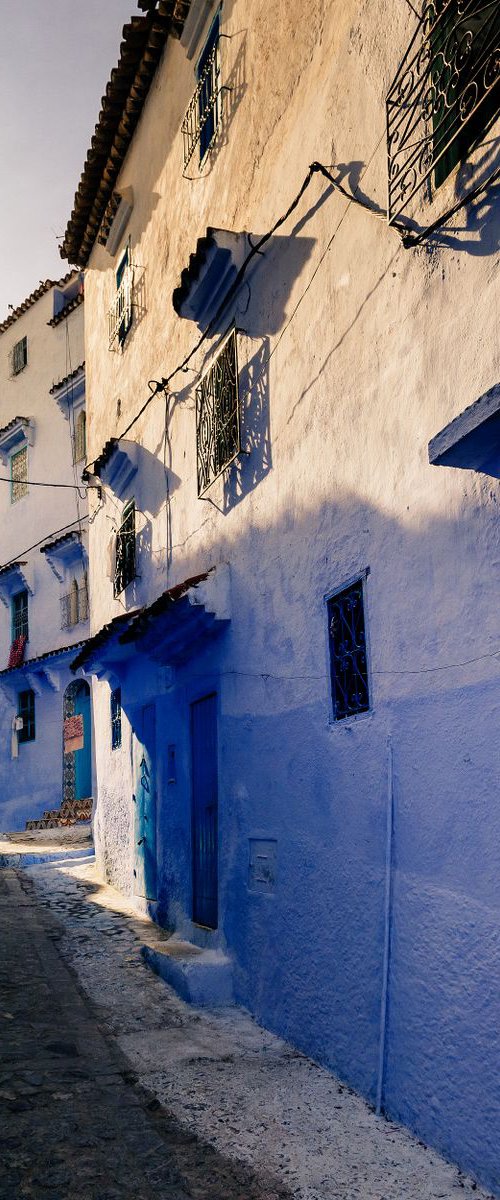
[
  {"x": 74, "y": 605},
  {"x": 26, "y": 710},
  {"x": 125, "y": 550},
  {"x": 348, "y": 656},
  {"x": 116, "y": 718},
  {"x": 19, "y": 356},
  {"x": 204, "y": 110},
  {"x": 120, "y": 313},
  {"x": 218, "y": 432},
  {"x": 79, "y": 439},
  {"x": 19, "y": 614},
  {"x": 19, "y": 474},
  {"x": 444, "y": 96}
]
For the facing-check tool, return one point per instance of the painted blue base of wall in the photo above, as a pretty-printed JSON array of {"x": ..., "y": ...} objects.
[{"x": 204, "y": 980}]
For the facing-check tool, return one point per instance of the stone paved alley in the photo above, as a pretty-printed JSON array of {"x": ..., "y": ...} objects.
[{"x": 111, "y": 1087}]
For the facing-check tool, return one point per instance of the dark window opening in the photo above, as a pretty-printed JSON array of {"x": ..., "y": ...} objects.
[
  {"x": 218, "y": 425},
  {"x": 464, "y": 91},
  {"x": 125, "y": 550},
  {"x": 348, "y": 657},
  {"x": 19, "y": 356},
  {"x": 208, "y": 76},
  {"x": 116, "y": 718},
  {"x": 26, "y": 711}
]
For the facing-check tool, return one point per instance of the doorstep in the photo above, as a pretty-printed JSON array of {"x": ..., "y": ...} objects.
[{"x": 200, "y": 977}]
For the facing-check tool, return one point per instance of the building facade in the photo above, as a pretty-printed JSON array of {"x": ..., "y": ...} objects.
[
  {"x": 45, "y": 714},
  {"x": 294, "y": 418}
]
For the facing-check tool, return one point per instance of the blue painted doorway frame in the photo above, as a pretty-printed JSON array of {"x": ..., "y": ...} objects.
[
  {"x": 83, "y": 757},
  {"x": 205, "y": 814},
  {"x": 145, "y": 867}
]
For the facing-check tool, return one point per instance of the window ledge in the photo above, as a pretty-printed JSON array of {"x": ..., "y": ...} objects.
[{"x": 472, "y": 440}]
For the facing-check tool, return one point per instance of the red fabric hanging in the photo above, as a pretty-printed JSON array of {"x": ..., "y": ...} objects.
[{"x": 16, "y": 656}]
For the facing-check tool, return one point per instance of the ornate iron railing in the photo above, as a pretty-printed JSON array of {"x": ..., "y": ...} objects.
[
  {"x": 444, "y": 96},
  {"x": 203, "y": 112},
  {"x": 74, "y": 607},
  {"x": 120, "y": 313},
  {"x": 125, "y": 550},
  {"x": 348, "y": 661},
  {"x": 218, "y": 425}
]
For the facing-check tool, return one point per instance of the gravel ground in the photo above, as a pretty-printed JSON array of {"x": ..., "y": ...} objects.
[{"x": 222, "y": 1078}]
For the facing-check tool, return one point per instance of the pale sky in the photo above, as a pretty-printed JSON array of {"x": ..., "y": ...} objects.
[{"x": 55, "y": 60}]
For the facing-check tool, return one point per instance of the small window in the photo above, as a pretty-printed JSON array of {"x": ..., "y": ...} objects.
[
  {"x": 116, "y": 718},
  {"x": 218, "y": 432},
  {"x": 348, "y": 656},
  {"x": 19, "y": 356},
  {"x": 19, "y": 612},
  {"x": 79, "y": 440},
  {"x": 464, "y": 96},
  {"x": 125, "y": 550},
  {"x": 208, "y": 76},
  {"x": 122, "y": 308},
  {"x": 26, "y": 710},
  {"x": 19, "y": 474}
]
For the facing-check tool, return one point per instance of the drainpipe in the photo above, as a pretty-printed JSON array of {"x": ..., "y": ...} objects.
[{"x": 387, "y": 925}]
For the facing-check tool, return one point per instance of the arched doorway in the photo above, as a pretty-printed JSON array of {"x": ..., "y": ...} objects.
[{"x": 77, "y": 747}]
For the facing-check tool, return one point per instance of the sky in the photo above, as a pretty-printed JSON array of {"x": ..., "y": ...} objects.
[{"x": 56, "y": 57}]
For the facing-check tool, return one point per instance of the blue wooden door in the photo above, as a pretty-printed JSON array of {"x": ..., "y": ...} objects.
[
  {"x": 83, "y": 757},
  {"x": 145, "y": 804},
  {"x": 205, "y": 811}
]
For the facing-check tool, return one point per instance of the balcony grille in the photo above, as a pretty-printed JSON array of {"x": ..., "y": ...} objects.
[
  {"x": 444, "y": 96},
  {"x": 120, "y": 313},
  {"x": 74, "y": 607},
  {"x": 218, "y": 425},
  {"x": 348, "y": 663},
  {"x": 19, "y": 474},
  {"x": 203, "y": 113},
  {"x": 125, "y": 550}
]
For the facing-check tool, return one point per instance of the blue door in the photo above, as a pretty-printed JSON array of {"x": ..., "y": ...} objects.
[
  {"x": 145, "y": 804},
  {"x": 205, "y": 837},
  {"x": 83, "y": 757}
]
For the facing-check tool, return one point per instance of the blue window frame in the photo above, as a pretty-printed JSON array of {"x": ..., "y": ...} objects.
[
  {"x": 19, "y": 615},
  {"x": 26, "y": 710},
  {"x": 208, "y": 76},
  {"x": 116, "y": 718}
]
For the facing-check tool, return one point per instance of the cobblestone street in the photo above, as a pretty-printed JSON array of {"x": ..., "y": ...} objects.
[
  {"x": 113, "y": 1087},
  {"x": 75, "y": 1124}
]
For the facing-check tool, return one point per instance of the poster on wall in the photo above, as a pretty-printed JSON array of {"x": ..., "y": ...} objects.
[{"x": 73, "y": 734}]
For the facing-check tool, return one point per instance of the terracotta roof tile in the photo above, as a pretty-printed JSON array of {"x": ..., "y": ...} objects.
[
  {"x": 43, "y": 287},
  {"x": 144, "y": 39},
  {"x": 61, "y": 383}
]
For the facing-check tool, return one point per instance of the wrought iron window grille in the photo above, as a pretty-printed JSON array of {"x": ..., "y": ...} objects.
[
  {"x": 74, "y": 606},
  {"x": 26, "y": 711},
  {"x": 19, "y": 474},
  {"x": 204, "y": 111},
  {"x": 125, "y": 570},
  {"x": 218, "y": 418},
  {"x": 20, "y": 626},
  {"x": 116, "y": 718},
  {"x": 120, "y": 314},
  {"x": 19, "y": 357},
  {"x": 444, "y": 96},
  {"x": 348, "y": 652}
]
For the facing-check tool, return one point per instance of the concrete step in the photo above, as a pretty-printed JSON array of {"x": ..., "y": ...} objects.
[{"x": 201, "y": 977}]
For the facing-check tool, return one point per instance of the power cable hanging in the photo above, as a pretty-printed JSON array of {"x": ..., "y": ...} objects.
[{"x": 55, "y": 533}]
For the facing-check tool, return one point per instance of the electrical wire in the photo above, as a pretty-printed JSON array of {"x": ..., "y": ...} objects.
[
  {"x": 46, "y": 538},
  {"x": 45, "y": 483}
]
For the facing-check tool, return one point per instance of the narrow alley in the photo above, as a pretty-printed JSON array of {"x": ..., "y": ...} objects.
[{"x": 112, "y": 1087}]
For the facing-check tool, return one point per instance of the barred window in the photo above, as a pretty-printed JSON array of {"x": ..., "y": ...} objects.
[
  {"x": 116, "y": 718},
  {"x": 463, "y": 40},
  {"x": 19, "y": 614},
  {"x": 125, "y": 550},
  {"x": 19, "y": 474},
  {"x": 26, "y": 710},
  {"x": 19, "y": 356},
  {"x": 218, "y": 435},
  {"x": 204, "y": 110},
  {"x": 348, "y": 657},
  {"x": 79, "y": 440}
]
